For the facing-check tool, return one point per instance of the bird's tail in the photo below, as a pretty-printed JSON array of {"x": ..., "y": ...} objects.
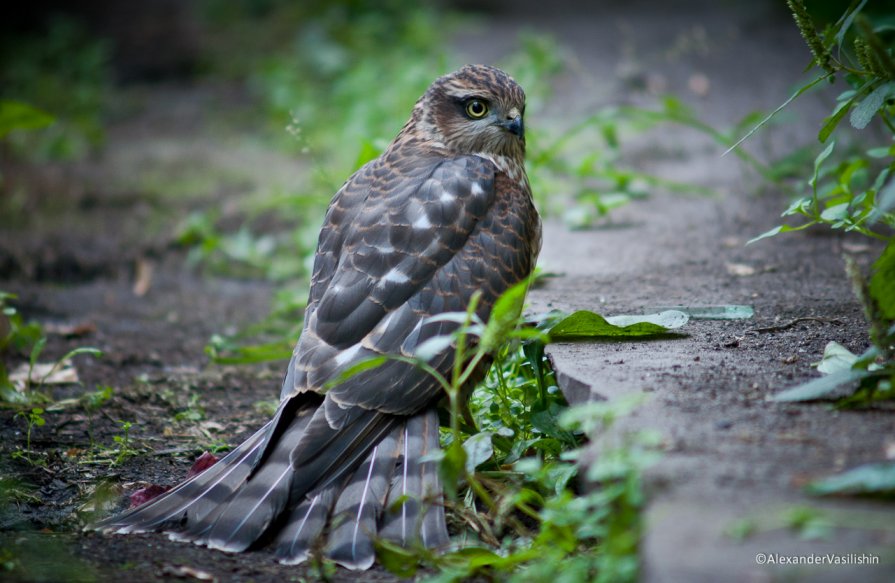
[
  {"x": 394, "y": 494},
  {"x": 359, "y": 482}
]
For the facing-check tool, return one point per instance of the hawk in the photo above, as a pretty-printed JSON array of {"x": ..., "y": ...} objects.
[{"x": 445, "y": 212}]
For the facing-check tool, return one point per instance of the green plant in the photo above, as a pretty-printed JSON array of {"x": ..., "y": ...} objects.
[
  {"x": 125, "y": 447},
  {"x": 16, "y": 335},
  {"x": 34, "y": 418},
  {"x": 18, "y": 116},
  {"x": 855, "y": 192},
  {"x": 64, "y": 72},
  {"x": 93, "y": 402}
]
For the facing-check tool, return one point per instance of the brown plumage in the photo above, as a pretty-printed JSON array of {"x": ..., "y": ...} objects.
[{"x": 444, "y": 212}]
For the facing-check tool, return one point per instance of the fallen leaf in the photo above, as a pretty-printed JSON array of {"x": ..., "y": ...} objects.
[
  {"x": 144, "y": 277},
  {"x": 71, "y": 330},
  {"x": 856, "y": 247},
  {"x": 202, "y": 463},
  {"x": 144, "y": 495},
  {"x": 48, "y": 373},
  {"x": 185, "y": 572},
  {"x": 740, "y": 269}
]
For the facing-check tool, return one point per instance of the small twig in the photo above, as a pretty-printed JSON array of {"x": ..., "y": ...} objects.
[{"x": 792, "y": 323}]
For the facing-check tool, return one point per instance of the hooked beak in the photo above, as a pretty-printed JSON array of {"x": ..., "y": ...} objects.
[{"x": 513, "y": 123}]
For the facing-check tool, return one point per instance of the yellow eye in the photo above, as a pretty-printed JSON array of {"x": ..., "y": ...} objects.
[{"x": 476, "y": 109}]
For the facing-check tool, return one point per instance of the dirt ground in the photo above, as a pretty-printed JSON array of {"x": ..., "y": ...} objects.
[{"x": 729, "y": 454}]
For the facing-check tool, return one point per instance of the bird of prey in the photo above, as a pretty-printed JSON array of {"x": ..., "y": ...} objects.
[{"x": 445, "y": 212}]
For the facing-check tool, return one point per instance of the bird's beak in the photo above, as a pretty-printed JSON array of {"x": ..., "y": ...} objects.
[{"x": 513, "y": 123}]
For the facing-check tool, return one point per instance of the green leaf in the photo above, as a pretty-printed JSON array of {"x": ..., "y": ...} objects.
[
  {"x": 584, "y": 324},
  {"x": 452, "y": 467},
  {"x": 504, "y": 316},
  {"x": 396, "y": 559},
  {"x": 831, "y": 122},
  {"x": 821, "y": 387},
  {"x": 15, "y": 115},
  {"x": 478, "y": 450},
  {"x": 866, "y": 479},
  {"x": 818, "y": 162},
  {"x": 356, "y": 369},
  {"x": 780, "y": 229},
  {"x": 846, "y": 20},
  {"x": 836, "y": 358},
  {"x": 771, "y": 233},
  {"x": 432, "y": 347},
  {"x": 882, "y": 282},
  {"x": 35, "y": 352},
  {"x": 836, "y": 212},
  {"x": 864, "y": 111}
]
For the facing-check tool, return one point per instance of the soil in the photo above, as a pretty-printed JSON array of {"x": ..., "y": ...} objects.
[{"x": 83, "y": 233}]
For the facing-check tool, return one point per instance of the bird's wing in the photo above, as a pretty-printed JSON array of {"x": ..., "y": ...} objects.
[{"x": 386, "y": 237}]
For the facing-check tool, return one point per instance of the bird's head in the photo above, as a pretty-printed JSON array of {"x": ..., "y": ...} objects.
[{"x": 475, "y": 110}]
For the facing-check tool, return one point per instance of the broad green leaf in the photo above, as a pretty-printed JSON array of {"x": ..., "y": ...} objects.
[
  {"x": 867, "y": 479},
  {"x": 882, "y": 282},
  {"x": 836, "y": 212},
  {"x": 15, "y": 115},
  {"x": 820, "y": 388},
  {"x": 836, "y": 358},
  {"x": 831, "y": 122},
  {"x": 478, "y": 450},
  {"x": 504, "y": 316},
  {"x": 584, "y": 324},
  {"x": 864, "y": 111}
]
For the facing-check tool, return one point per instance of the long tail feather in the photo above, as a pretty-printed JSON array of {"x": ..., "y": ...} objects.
[
  {"x": 414, "y": 509},
  {"x": 251, "y": 509},
  {"x": 304, "y": 526},
  {"x": 359, "y": 507}
]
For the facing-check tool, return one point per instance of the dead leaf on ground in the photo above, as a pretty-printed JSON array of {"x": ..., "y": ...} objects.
[
  {"x": 186, "y": 572},
  {"x": 740, "y": 269},
  {"x": 143, "y": 280},
  {"x": 48, "y": 373},
  {"x": 856, "y": 247},
  {"x": 69, "y": 330}
]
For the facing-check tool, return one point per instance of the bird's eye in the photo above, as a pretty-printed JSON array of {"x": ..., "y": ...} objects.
[{"x": 476, "y": 109}]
